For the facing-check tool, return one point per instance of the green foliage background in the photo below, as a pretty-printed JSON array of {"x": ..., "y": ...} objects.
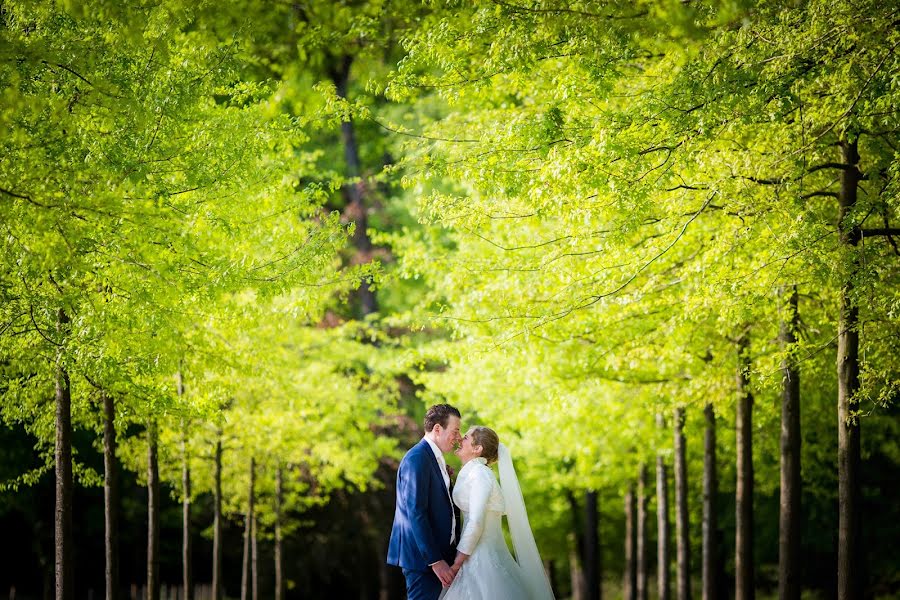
[{"x": 576, "y": 209}]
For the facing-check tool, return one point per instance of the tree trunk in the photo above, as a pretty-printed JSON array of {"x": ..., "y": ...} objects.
[
  {"x": 187, "y": 566},
  {"x": 682, "y": 526},
  {"x": 591, "y": 560},
  {"x": 743, "y": 555},
  {"x": 641, "y": 547},
  {"x": 63, "y": 455},
  {"x": 576, "y": 573},
  {"x": 552, "y": 575},
  {"x": 386, "y": 582},
  {"x": 662, "y": 524},
  {"x": 710, "y": 493},
  {"x": 110, "y": 497},
  {"x": 217, "y": 521},
  {"x": 279, "y": 561},
  {"x": 356, "y": 207},
  {"x": 186, "y": 544},
  {"x": 789, "y": 515},
  {"x": 254, "y": 558},
  {"x": 849, "y": 520},
  {"x": 248, "y": 533},
  {"x": 152, "y": 513},
  {"x": 629, "y": 579}
]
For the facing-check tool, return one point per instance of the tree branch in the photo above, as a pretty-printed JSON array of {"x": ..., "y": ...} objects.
[
  {"x": 594, "y": 299},
  {"x": 886, "y": 231},
  {"x": 25, "y": 197},
  {"x": 819, "y": 193},
  {"x": 778, "y": 181},
  {"x": 831, "y": 165},
  {"x": 81, "y": 77},
  {"x": 557, "y": 11},
  {"x": 514, "y": 248},
  {"x": 38, "y": 329},
  {"x": 686, "y": 187},
  {"x": 659, "y": 149},
  {"x": 423, "y": 137}
]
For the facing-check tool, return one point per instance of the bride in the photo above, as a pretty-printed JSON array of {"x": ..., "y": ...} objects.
[{"x": 484, "y": 569}]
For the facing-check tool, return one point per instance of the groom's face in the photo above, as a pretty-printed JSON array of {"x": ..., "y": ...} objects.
[{"x": 447, "y": 437}]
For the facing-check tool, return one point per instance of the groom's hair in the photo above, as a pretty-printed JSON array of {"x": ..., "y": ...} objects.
[{"x": 439, "y": 413}]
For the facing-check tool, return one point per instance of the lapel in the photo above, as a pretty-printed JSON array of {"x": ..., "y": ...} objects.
[
  {"x": 435, "y": 465},
  {"x": 454, "y": 511}
]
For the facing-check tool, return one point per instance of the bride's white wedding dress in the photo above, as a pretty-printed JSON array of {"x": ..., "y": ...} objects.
[{"x": 490, "y": 572}]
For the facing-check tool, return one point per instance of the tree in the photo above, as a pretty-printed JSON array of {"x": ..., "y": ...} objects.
[
  {"x": 99, "y": 215},
  {"x": 743, "y": 557},
  {"x": 703, "y": 186},
  {"x": 710, "y": 493},
  {"x": 791, "y": 482}
]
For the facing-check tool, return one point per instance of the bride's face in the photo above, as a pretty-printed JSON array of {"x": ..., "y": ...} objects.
[{"x": 467, "y": 449}]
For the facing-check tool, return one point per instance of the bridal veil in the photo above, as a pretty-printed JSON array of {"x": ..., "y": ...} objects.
[{"x": 523, "y": 543}]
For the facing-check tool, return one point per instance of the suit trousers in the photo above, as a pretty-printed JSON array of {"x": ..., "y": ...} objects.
[{"x": 422, "y": 585}]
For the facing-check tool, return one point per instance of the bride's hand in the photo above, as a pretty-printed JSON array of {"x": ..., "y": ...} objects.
[{"x": 458, "y": 563}]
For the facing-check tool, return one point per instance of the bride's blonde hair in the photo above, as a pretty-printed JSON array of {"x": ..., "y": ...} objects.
[{"x": 488, "y": 440}]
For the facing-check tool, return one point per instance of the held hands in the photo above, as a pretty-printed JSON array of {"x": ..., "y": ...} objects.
[
  {"x": 448, "y": 573},
  {"x": 444, "y": 572},
  {"x": 458, "y": 563}
]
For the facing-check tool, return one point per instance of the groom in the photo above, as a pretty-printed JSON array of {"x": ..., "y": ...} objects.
[{"x": 423, "y": 538}]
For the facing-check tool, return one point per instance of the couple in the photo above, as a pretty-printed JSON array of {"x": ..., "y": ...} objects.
[{"x": 438, "y": 559}]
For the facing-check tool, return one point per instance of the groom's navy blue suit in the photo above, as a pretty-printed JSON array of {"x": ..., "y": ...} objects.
[{"x": 423, "y": 519}]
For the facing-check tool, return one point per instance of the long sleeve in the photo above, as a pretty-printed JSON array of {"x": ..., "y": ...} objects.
[
  {"x": 414, "y": 487},
  {"x": 480, "y": 485}
]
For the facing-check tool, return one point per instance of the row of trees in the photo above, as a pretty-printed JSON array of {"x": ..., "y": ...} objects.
[
  {"x": 169, "y": 264},
  {"x": 661, "y": 209}
]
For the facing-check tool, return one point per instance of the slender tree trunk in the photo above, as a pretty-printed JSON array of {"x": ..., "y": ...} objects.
[
  {"x": 248, "y": 532},
  {"x": 642, "y": 534},
  {"x": 552, "y": 575},
  {"x": 629, "y": 579},
  {"x": 743, "y": 555},
  {"x": 63, "y": 455},
  {"x": 152, "y": 513},
  {"x": 279, "y": 561},
  {"x": 386, "y": 587},
  {"x": 682, "y": 526},
  {"x": 849, "y": 519},
  {"x": 710, "y": 492},
  {"x": 110, "y": 497},
  {"x": 356, "y": 207},
  {"x": 789, "y": 515},
  {"x": 591, "y": 561},
  {"x": 577, "y": 549},
  {"x": 254, "y": 558},
  {"x": 217, "y": 592},
  {"x": 662, "y": 524},
  {"x": 187, "y": 566},
  {"x": 576, "y": 573},
  {"x": 186, "y": 544}
]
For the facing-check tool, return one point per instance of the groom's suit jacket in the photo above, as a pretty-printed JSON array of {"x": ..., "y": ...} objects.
[{"x": 424, "y": 514}]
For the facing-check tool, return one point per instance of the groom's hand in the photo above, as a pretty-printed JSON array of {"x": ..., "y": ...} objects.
[{"x": 443, "y": 572}]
